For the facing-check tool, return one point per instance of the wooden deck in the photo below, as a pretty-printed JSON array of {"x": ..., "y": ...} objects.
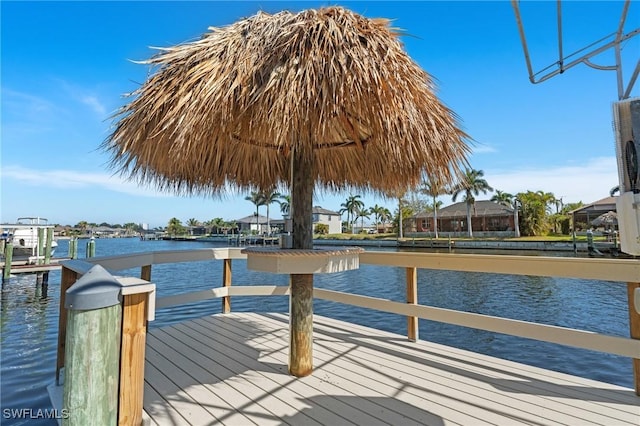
[{"x": 232, "y": 369}]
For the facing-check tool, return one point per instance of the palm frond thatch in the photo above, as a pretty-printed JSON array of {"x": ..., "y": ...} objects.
[
  {"x": 608, "y": 218},
  {"x": 227, "y": 110}
]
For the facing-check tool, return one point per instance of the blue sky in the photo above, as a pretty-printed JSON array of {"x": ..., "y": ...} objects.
[{"x": 65, "y": 68}]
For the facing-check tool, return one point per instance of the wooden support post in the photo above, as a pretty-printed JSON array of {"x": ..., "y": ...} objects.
[
  {"x": 301, "y": 325},
  {"x": 8, "y": 258},
  {"x": 634, "y": 327},
  {"x": 67, "y": 279},
  {"x": 132, "y": 358},
  {"x": 301, "y": 299},
  {"x": 47, "y": 246},
  {"x": 145, "y": 273},
  {"x": 412, "y": 298},
  {"x": 226, "y": 282},
  {"x": 40, "y": 248},
  {"x": 93, "y": 343}
]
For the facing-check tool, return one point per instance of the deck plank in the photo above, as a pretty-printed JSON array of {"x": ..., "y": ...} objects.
[
  {"x": 251, "y": 389},
  {"x": 411, "y": 389},
  {"x": 279, "y": 382},
  {"x": 514, "y": 377},
  {"x": 514, "y": 389},
  {"x": 232, "y": 369},
  {"x": 355, "y": 410},
  {"x": 389, "y": 399}
]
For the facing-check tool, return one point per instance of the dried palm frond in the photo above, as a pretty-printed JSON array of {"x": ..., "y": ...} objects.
[{"x": 227, "y": 110}]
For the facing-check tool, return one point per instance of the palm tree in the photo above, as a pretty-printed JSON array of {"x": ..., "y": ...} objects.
[
  {"x": 191, "y": 223},
  {"x": 503, "y": 198},
  {"x": 361, "y": 214},
  {"x": 82, "y": 225},
  {"x": 548, "y": 199},
  {"x": 351, "y": 206},
  {"x": 285, "y": 209},
  {"x": 174, "y": 227},
  {"x": 285, "y": 204},
  {"x": 404, "y": 211},
  {"x": 433, "y": 187},
  {"x": 256, "y": 198},
  {"x": 385, "y": 216},
  {"x": 130, "y": 227},
  {"x": 506, "y": 199},
  {"x": 217, "y": 223},
  {"x": 268, "y": 198},
  {"x": 471, "y": 185},
  {"x": 376, "y": 211}
]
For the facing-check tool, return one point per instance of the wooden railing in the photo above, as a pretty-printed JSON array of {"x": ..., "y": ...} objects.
[{"x": 617, "y": 270}]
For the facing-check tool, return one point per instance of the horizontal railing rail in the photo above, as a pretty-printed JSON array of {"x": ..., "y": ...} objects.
[
  {"x": 548, "y": 333},
  {"x": 613, "y": 270},
  {"x": 619, "y": 270}
]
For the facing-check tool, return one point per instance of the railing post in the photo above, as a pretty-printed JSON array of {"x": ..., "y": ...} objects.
[
  {"x": 412, "y": 298},
  {"x": 92, "y": 350},
  {"x": 132, "y": 357},
  {"x": 226, "y": 282},
  {"x": 634, "y": 328},
  {"x": 67, "y": 279},
  {"x": 145, "y": 272}
]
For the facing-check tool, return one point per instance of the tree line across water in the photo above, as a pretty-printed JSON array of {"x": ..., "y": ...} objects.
[{"x": 539, "y": 213}]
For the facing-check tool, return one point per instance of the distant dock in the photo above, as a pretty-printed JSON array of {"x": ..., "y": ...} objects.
[{"x": 24, "y": 267}]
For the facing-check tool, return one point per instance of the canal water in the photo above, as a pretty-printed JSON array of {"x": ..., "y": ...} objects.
[{"x": 29, "y": 314}]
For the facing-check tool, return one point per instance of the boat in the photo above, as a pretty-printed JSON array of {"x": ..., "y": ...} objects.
[{"x": 24, "y": 235}]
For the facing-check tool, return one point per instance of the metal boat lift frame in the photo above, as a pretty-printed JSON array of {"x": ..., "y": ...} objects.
[{"x": 564, "y": 63}]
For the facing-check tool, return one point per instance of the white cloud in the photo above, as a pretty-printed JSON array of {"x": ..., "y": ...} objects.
[
  {"x": 95, "y": 105},
  {"x": 483, "y": 149},
  {"x": 586, "y": 182},
  {"x": 69, "y": 179},
  {"x": 85, "y": 96}
]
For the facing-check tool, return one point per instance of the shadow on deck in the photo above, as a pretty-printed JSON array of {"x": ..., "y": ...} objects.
[{"x": 232, "y": 369}]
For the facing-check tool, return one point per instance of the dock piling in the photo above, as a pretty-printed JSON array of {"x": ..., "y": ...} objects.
[
  {"x": 92, "y": 359},
  {"x": 91, "y": 248},
  {"x": 47, "y": 246},
  {"x": 73, "y": 248},
  {"x": 8, "y": 258},
  {"x": 40, "y": 247}
]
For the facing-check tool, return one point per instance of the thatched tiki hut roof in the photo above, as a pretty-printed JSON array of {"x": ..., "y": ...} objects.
[
  {"x": 229, "y": 108},
  {"x": 323, "y": 98}
]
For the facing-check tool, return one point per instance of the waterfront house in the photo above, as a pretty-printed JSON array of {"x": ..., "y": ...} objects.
[
  {"x": 582, "y": 217},
  {"x": 487, "y": 218},
  {"x": 327, "y": 217},
  {"x": 252, "y": 224}
]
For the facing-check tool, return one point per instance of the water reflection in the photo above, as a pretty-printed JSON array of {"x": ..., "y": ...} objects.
[
  {"x": 28, "y": 340},
  {"x": 26, "y": 300}
]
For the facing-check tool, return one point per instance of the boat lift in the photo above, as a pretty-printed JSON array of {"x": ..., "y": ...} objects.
[{"x": 626, "y": 114}]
